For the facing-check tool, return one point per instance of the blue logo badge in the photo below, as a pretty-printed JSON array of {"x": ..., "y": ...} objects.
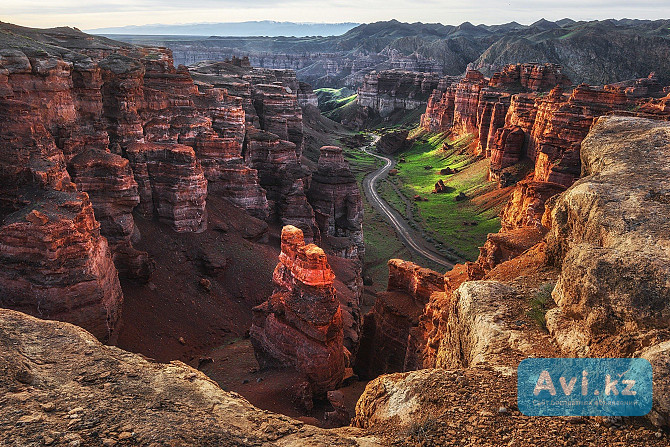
[{"x": 584, "y": 387}]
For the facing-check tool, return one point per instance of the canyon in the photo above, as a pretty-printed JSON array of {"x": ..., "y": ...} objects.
[
  {"x": 184, "y": 217},
  {"x": 475, "y": 332},
  {"x": 596, "y": 52},
  {"x": 116, "y": 164}
]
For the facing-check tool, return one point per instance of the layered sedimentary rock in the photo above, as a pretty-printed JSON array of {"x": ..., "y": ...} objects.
[
  {"x": 466, "y": 103},
  {"x": 624, "y": 159},
  {"x": 439, "y": 116},
  {"x": 111, "y": 186},
  {"x": 274, "y": 137},
  {"x": 279, "y": 113},
  {"x": 389, "y": 90},
  {"x": 272, "y": 99},
  {"x": 171, "y": 184},
  {"x": 513, "y": 119},
  {"x": 609, "y": 237},
  {"x": 56, "y": 265},
  {"x": 337, "y": 203},
  {"x": 306, "y": 95},
  {"x": 300, "y": 325},
  {"x": 386, "y": 328},
  {"x": 284, "y": 179},
  {"x": 55, "y": 262},
  {"x": 531, "y": 77},
  {"x": 73, "y": 390}
]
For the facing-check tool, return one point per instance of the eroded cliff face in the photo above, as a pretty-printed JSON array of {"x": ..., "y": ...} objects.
[
  {"x": 513, "y": 119},
  {"x": 274, "y": 138},
  {"x": 609, "y": 237},
  {"x": 300, "y": 325},
  {"x": 604, "y": 257},
  {"x": 386, "y": 328},
  {"x": 337, "y": 204},
  {"x": 125, "y": 132},
  {"x": 56, "y": 263},
  {"x": 389, "y": 90}
]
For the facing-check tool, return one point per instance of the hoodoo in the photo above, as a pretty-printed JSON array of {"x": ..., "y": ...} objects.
[
  {"x": 337, "y": 203},
  {"x": 300, "y": 325}
]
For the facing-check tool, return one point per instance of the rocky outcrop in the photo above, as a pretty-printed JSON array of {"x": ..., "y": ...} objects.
[
  {"x": 279, "y": 113},
  {"x": 609, "y": 237},
  {"x": 466, "y": 103},
  {"x": 300, "y": 325},
  {"x": 447, "y": 406},
  {"x": 73, "y": 390},
  {"x": 513, "y": 119},
  {"x": 615, "y": 246},
  {"x": 477, "y": 331},
  {"x": 274, "y": 138},
  {"x": 531, "y": 77},
  {"x": 337, "y": 204},
  {"x": 390, "y": 90},
  {"x": 393, "y": 142},
  {"x": 171, "y": 184},
  {"x": 55, "y": 262},
  {"x": 386, "y": 328},
  {"x": 56, "y": 265},
  {"x": 284, "y": 178},
  {"x": 111, "y": 186}
]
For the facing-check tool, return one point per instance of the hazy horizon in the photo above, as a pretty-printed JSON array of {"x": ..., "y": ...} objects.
[{"x": 119, "y": 13}]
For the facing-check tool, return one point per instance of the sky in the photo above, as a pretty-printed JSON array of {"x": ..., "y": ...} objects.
[{"x": 90, "y": 14}]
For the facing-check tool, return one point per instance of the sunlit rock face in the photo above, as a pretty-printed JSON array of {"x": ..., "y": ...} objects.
[
  {"x": 337, "y": 203},
  {"x": 56, "y": 265},
  {"x": 300, "y": 325},
  {"x": 189, "y": 406},
  {"x": 513, "y": 118}
]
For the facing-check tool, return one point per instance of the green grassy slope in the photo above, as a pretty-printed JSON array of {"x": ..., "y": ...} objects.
[{"x": 463, "y": 225}]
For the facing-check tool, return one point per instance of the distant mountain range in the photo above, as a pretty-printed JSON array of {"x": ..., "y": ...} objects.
[
  {"x": 596, "y": 52},
  {"x": 266, "y": 28}
]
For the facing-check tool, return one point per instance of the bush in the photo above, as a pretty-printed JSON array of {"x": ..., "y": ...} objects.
[{"x": 540, "y": 303}]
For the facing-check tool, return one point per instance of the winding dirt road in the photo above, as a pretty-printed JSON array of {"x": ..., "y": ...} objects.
[{"x": 408, "y": 237}]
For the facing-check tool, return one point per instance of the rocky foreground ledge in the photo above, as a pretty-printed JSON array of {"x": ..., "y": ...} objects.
[{"x": 60, "y": 386}]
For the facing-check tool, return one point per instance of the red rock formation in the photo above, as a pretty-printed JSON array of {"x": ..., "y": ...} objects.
[
  {"x": 466, "y": 103},
  {"x": 279, "y": 113},
  {"x": 487, "y": 121},
  {"x": 55, "y": 262},
  {"x": 547, "y": 129},
  {"x": 122, "y": 97},
  {"x": 337, "y": 204},
  {"x": 439, "y": 116},
  {"x": 109, "y": 182},
  {"x": 56, "y": 265},
  {"x": 300, "y": 325},
  {"x": 171, "y": 184},
  {"x": 386, "y": 328},
  {"x": 284, "y": 179},
  {"x": 532, "y": 77},
  {"x": 506, "y": 149}
]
